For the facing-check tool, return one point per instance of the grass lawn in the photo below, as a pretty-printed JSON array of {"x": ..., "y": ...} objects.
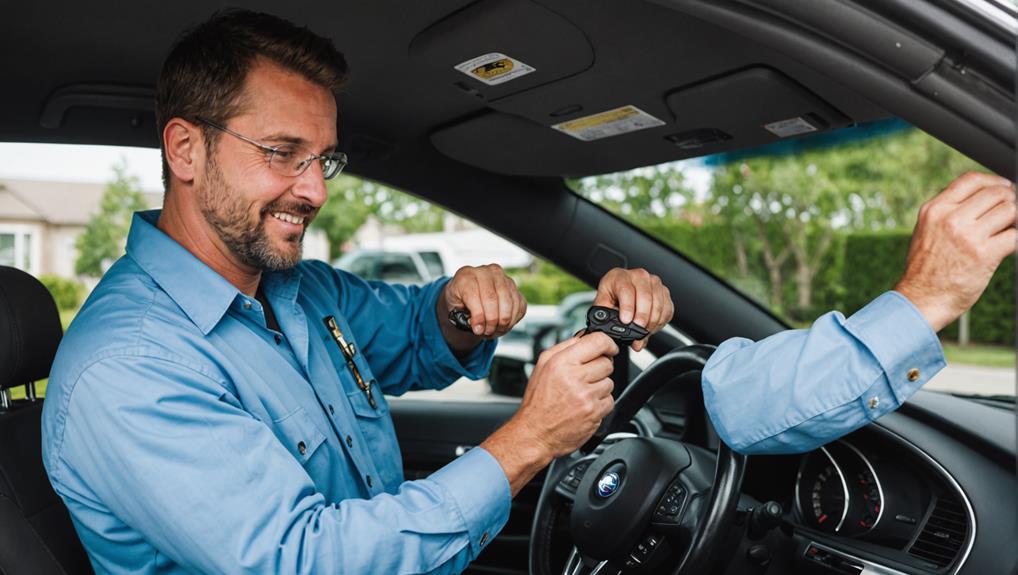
[{"x": 981, "y": 355}]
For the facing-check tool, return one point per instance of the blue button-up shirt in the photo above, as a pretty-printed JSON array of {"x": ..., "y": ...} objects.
[
  {"x": 799, "y": 389},
  {"x": 185, "y": 435}
]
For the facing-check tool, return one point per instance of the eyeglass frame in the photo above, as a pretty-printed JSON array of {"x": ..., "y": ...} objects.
[{"x": 338, "y": 157}]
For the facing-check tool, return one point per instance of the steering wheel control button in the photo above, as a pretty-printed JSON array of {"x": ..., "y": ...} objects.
[
  {"x": 631, "y": 563},
  {"x": 606, "y": 320},
  {"x": 574, "y": 476},
  {"x": 671, "y": 504}
]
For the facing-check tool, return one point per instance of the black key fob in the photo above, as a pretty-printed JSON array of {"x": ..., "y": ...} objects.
[
  {"x": 460, "y": 318},
  {"x": 606, "y": 320}
]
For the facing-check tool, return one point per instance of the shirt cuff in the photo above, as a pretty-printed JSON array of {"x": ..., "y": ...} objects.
[
  {"x": 901, "y": 340},
  {"x": 476, "y": 483},
  {"x": 474, "y": 365}
]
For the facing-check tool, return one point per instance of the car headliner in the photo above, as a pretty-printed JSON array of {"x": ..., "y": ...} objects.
[{"x": 84, "y": 73}]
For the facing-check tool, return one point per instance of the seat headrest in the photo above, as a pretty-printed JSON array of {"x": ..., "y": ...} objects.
[{"x": 30, "y": 328}]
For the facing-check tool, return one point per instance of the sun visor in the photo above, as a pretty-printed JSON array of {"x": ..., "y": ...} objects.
[
  {"x": 747, "y": 108},
  {"x": 494, "y": 48}
]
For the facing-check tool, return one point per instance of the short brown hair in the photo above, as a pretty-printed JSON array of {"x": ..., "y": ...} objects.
[{"x": 205, "y": 71}]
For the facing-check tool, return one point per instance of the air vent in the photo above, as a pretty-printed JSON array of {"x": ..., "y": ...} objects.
[{"x": 944, "y": 533}]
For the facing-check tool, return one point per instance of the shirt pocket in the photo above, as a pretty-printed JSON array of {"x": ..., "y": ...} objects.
[{"x": 300, "y": 435}]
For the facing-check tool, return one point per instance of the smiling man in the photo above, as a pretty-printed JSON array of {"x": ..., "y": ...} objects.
[{"x": 217, "y": 405}]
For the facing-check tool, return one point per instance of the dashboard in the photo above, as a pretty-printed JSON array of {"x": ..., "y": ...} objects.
[{"x": 927, "y": 490}]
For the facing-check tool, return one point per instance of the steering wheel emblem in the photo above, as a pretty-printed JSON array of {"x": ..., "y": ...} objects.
[{"x": 608, "y": 484}]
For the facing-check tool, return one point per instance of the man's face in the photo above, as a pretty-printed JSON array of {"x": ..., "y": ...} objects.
[{"x": 259, "y": 214}]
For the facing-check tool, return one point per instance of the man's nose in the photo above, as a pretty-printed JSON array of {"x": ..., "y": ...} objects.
[{"x": 310, "y": 185}]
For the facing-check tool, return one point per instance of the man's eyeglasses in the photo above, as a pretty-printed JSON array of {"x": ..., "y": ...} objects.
[{"x": 290, "y": 159}]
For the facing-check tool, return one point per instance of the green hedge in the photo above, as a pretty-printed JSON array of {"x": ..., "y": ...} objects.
[
  {"x": 875, "y": 261},
  {"x": 66, "y": 293}
]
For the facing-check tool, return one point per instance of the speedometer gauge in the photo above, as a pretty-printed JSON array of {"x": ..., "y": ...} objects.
[{"x": 837, "y": 491}]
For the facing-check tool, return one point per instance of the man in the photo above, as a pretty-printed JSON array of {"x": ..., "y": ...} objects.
[{"x": 217, "y": 406}]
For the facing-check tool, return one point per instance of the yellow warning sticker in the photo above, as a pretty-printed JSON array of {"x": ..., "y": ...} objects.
[
  {"x": 494, "y": 68},
  {"x": 610, "y": 123}
]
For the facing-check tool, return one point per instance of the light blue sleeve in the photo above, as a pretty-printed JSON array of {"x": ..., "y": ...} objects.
[
  {"x": 398, "y": 331},
  {"x": 158, "y": 448},
  {"x": 799, "y": 389}
]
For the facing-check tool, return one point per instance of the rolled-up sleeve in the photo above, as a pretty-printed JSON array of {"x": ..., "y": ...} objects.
[
  {"x": 799, "y": 389},
  {"x": 167, "y": 449}
]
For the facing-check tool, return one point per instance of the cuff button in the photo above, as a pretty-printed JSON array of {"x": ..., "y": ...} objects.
[
  {"x": 874, "y": 402},
  {"x": 913, "y": 374}
]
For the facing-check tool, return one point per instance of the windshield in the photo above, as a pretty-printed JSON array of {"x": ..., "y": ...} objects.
[{"x": 819, "y": 224}]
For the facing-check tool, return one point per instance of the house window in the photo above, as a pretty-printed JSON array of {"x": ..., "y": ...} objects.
[{"x": 16, "y": 249}]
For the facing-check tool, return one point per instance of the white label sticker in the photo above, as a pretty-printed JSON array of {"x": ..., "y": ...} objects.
[
  {"x": 494, "y": 68},
  {"x": 790, "y": 127},
  {"x": 610, "y": 123}
]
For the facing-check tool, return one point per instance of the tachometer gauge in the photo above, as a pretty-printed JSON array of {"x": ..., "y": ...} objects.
[
  {"x": 837, "y": 491},
  {"x": 828, "y": 497},
  {"x": 822, "y": 492}
]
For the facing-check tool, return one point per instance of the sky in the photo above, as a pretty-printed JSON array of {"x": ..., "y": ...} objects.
[{"x": 67, "y": 163}]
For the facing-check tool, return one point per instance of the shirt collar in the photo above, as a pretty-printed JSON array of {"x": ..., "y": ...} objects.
[{"x": 203, "y": 294}]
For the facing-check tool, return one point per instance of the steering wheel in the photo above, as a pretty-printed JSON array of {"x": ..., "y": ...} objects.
[{"x": 639, "y": 501}]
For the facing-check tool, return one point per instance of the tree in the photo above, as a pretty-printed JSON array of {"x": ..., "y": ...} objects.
[
  {"x": 352, "y": 200},
  {"x": 104, "y": 237}
]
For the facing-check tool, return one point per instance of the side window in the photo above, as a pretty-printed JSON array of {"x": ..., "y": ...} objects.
[
  {"x": 399, "y": 268},
  {"x": 415, "y": 241},
  {"x": 365, "y": 267},
  {"x": 434, "y": 263}
]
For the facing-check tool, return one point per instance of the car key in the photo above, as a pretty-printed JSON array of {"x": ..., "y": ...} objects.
[
  {"x": 606, "y": 320},
  {"x": 460, "y": 318}
]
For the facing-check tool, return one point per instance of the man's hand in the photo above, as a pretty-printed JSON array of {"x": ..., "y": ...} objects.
[
  {"x": 960, "y": 238},
  {"x": 639, "y": 296},
  {"x": 568, "y": 395},
  {"x": 492, "y": 298}
]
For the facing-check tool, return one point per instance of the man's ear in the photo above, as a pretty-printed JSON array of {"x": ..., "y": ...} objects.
[{"x": 184, "y": 147}]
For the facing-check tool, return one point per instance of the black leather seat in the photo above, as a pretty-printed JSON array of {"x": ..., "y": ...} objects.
[{"x": 36, "y": 534}]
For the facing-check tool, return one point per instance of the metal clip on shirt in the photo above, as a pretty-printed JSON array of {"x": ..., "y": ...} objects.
[{"x": 348, "y": 352}]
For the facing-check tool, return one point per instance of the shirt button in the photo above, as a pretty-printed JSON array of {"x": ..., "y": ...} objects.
[
  {"x": 369, "y": 480},
  {"x": 484, "y": 538},
  {"x": 349, "y": 441},
  {"x": 913, "y": 374},
  {"x": 278, "y": 338},
  {"x": 332, "y": 410},
  {"x": 247, "y": 304},
  {"x": 874, "y": 402},
  {"x": 302, "y": 448}
]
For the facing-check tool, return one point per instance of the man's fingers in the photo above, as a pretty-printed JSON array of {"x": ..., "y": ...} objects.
[
  {"x": 998, "y": 219},
  {"x": 984, "y": 200},
  {"x": 1003, "y": 244},
  {"x": 626, "y": 295},
  {"x": 644, "y": 291},
  {"x": 966, "y": 185},
  {"x": 590, "y": 347},
  {"x": 506, "y": 304},
  {"x": 596, "y": 369}
]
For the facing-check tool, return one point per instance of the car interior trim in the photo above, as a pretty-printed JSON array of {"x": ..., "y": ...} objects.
[
  {"x": 868, "y": 567},
  {"x": 895, "y": 94},
  {"x": 844, "y": 487},
  {"x": 951, "y": 481}
]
